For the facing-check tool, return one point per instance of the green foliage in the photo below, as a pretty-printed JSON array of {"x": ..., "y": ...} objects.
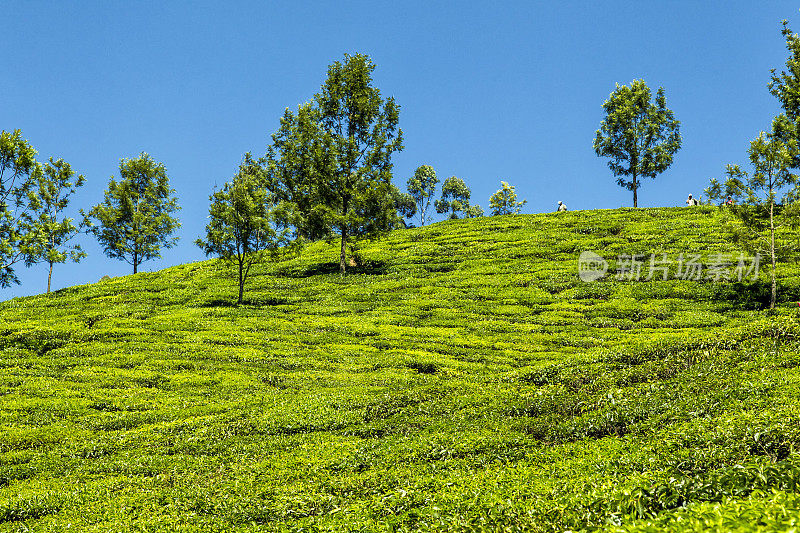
[
  {"x": 405, "y": 204},
  {"x": 47, "y": 198},
  {"x": 17, "y": 164},
  {"x": 240, "y": 229},
  {"x": 504, "y": 201},
  {"x": 473, "y": 211},
  {"x": 329, "y": 166},
  {"x": 786, "y": 88},
  {"x": 639, "y": 137},
  {"x": 763, "y": 215},
  {"x": 136, "y": 216},
  {"x": 648, "y": 501},
  {"x": 455, "y": 200},
  {"x": 422, "y": 187},
  {"x": 463, "y": 379}
]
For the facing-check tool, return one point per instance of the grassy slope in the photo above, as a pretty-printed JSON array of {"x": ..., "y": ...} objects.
[{"x": 466, "y": 378}]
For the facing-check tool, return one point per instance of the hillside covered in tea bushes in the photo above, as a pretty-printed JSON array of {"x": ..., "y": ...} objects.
[{"x": 462, "y": 377}]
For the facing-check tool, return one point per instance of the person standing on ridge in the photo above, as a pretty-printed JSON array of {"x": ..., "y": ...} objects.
[
  {"x": 561, "y": 206},
  {"x": 691, "y": 201}
]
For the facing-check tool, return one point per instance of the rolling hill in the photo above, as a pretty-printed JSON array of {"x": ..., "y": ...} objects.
[{"x": 462, "y": 377}]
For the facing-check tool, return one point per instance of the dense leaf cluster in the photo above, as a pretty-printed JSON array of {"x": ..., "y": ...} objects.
[
  {"x": 136, "y": 218},
  {"x": 638, "y": 135},
  {"x": 329, "y": 168}
]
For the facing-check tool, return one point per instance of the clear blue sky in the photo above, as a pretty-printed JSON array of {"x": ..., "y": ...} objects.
[{"x": 488, "y": 91}]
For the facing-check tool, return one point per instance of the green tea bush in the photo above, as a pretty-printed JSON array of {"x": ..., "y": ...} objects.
[{"x": 463, "y": 377}]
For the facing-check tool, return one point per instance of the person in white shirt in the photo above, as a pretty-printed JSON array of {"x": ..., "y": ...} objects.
[{"x": 561, "y": 206}]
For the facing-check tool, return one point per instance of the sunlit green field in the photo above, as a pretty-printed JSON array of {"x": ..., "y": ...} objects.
[{"x": 463, "y": 377}]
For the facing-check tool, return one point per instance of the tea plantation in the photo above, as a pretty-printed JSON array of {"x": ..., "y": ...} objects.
[{"x": 463, "y": 377}]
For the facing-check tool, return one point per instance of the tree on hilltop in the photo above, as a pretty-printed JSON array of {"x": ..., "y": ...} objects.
[
  {"x": 638, "y": 136},
  {"x": 330, "y": 165},
  {"x": 504, "y": 201},
  {"x": 241, "y": 225},
  {"x": 135, "y": 219},
  {"x": 455, "y": 199},
  {"x": 763, "y": 214},
  {"x": 422, "y": 187},
  {"x": 48, "y": 196}
]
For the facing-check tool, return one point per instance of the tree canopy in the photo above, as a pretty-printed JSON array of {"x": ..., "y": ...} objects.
[
  {"x": 766, "y": 198},
  {"x": 640, "y": 137},
  {"x": 135, "y": 219},
  {"x": 422, "y": 187},
  {"x": 240, "y": 228},
  {"x": 786, "y": 88},
  {"x": 17, "y": 166},
  {"x": 47, "y": 198},
  {"x": 330, "y": 165},
  {"x": 455, "y": 199},
  {"x": 504, "y": 201}
]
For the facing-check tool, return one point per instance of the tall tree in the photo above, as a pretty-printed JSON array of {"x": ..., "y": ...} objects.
[
  {"x": 504, "y": 201},
  {"x": 422, "y": 187},
  {"x": 17, "y": 165},
  {"x": 762, "y": 213},
  {"x": 786, "y": 88},
  {"x": 640, "y": 137},
  {"x": 136, "y": 216},
  {"x": 330, "y": 164},
  {"x": 455, "y": 200},
  {"x": 47, "y": 198},
  {"x": 240, "y": 228}
]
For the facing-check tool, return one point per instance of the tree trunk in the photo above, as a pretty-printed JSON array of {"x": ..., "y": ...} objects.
[
  {"x": 635, "y": 190},
  {"x": 136, "y": 236},
  {"x": 50, "y": 273},
  {"x": 343, "y": 252},
  {"x": 241, "y": 284},
  {"x": 774, "y": 293}
]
